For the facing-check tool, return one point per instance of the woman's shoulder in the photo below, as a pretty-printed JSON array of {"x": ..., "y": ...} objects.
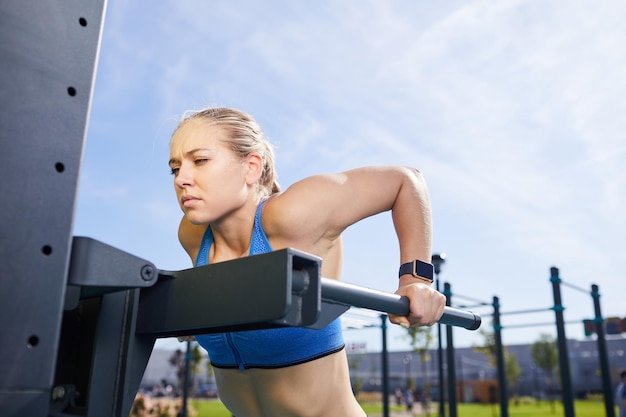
[{"x": 290, "y": 217}]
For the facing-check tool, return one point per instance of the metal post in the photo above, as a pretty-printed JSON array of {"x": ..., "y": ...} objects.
[
  {"x": 607, "y": 387},
  {"x": 566, "y": 380},
  {"x": 450, "y": 357},
  {"x": 186, "y": 379},
  {"x": 385, "y": 366},
  {"x": 437, "y": 261},
  {"x": 442, "y": 407},
  {"x": 497, "y": 331}
]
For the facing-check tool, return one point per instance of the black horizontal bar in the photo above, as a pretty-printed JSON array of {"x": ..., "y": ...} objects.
[{"x": 370, "y": 299}]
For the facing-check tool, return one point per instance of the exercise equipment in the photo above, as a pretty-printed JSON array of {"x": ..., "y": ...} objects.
[{"x": 147, "y": 303}]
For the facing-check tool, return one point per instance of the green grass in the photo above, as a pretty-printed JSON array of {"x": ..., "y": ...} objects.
[
  {"x": 214, "y": 408},
  {"x": 544, "y": 408},
  {"x": 209, "y": 408}
]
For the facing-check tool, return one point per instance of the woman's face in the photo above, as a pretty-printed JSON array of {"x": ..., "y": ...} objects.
[{"x": 209, "y": 179}]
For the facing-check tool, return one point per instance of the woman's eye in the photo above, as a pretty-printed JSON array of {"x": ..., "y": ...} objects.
[
  {"x": 174, "y": 171},
  {"x": 200, "y": 161}
]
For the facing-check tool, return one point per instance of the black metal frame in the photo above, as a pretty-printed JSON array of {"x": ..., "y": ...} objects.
[
  {"x": 80, "y": 318},
  {"x": 118, "y": 305},
  {"x": 124, "y": 304},
  {"x": 48, "y": 58}
]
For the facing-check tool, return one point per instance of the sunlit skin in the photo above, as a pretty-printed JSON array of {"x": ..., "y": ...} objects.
[{"x": 217, "y": 188}]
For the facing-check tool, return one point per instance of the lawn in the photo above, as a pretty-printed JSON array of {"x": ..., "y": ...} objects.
[
  {"x": 581, "y": 409},
  {"x": 209, "y": 408},
  {"x": 212, "y": 408}
]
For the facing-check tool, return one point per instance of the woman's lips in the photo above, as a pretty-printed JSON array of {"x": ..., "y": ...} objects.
[{"x": 189, "y": 201}]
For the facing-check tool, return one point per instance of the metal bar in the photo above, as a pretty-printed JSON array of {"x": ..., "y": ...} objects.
[
  {"x": 575, "y": 287},
  {"x": 566, "y": 380},
  {"x": 184, "y": 410},
  {"x": 475, "y": 300},
  {"x": 521, "y": 326},
  {"x": 385, "y": 365},
  {"x": 440, "y": 378},
  {"x": 534, "y": 310},
  {"x": 389, "y": 303},
  {"x": 120, "y": 357},
  {"x": 287, "y": 295},
  {"x": 539, "y": 324},
  {"x": 452, "y": 403},
  {"x": 464, "y": 306},
  {"x": 497, "y": 332},
  {"x": 607, "y": 386}
]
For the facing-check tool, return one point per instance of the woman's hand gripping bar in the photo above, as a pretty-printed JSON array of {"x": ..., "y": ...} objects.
[{"x": 356, "y": 296}]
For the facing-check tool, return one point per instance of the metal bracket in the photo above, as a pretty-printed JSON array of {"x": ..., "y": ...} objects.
[
  {"x": 97, "y": 268},
  {"x": 281, "y": 288}
]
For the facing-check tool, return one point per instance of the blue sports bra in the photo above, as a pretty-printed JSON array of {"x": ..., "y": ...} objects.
[{"x": 271, "y": 348}]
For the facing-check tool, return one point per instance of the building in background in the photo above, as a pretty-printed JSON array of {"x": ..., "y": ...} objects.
[{"x": 476, "y": 378}]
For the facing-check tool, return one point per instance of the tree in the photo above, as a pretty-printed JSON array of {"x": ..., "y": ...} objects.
[
  {"x": 420, "y": 339},
  {"x": 488, "y": 348},
  {"x": 177, "y": 360},
  {"x": 194, "y": 364},
  {"x": 513, "y": 372},
  {"x": 209, "y": 370},
  {"x": 511, "y": 365},
  {"x": 353, "y": 365},
  {"x": 545, "y": 355}
]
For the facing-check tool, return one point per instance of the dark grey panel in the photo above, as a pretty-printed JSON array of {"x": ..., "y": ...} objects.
[{"x": 48, "y": 51}]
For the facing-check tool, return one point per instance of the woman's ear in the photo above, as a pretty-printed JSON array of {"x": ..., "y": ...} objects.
[{"x": 254, "y": 165}]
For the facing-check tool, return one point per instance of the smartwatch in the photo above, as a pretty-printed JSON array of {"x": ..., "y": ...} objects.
[{"x": 418, "y": 269}]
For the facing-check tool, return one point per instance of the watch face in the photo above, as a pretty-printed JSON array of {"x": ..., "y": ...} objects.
[
  {"x": 418, "y": 269},
  {"x": 422, "y": 269}
]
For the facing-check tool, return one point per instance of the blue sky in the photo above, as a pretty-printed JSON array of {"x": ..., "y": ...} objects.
[{"x": 514, "y": 112}]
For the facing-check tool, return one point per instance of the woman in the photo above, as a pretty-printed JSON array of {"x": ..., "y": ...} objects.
[{"x": 226, "y": 185}]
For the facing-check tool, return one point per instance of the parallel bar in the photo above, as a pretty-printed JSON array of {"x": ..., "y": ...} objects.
[
  {"x": 534, "y": 310},
  {"x": 476, "y": 300},
  {"x": 274, "y": 289},
  {"x": 108, "y": 336},
  {"x": 356, "y": 296},
  {"x": 575, "y": 287}
]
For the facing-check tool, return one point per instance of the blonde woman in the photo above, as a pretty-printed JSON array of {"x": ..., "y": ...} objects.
[{"x": 225, "y": 182}]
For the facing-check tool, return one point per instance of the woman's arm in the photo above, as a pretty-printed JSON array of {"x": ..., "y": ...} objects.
[
  {"x": 190, "y": 237},
  {"x": 323, "y": 206},
  {"x": 314, "y": 212}
]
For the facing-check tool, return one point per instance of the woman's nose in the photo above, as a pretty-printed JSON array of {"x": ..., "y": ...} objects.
[{"x": 183, "y": 177}]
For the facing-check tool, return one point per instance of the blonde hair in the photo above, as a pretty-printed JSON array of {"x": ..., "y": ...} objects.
[{"x": 244, "y": 136}]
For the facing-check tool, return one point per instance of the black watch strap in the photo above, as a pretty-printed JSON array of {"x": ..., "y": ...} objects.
[{"x": 418, "y": 269}]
